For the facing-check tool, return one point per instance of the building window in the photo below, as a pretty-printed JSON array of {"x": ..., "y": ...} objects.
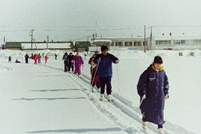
[
  {"x": 119, "y": 44},
  {"x": 135, "y": 43},
  {"x": 163, "y": 42},
  {"x": 139, "y": 43},
  {"x": 128, "y": 43},
  {"x": 183, "y": 42}
]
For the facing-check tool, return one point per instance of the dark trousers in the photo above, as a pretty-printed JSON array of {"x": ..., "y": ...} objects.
[
  {"x": 105, "y": 81},
  {"x": 65, "y": 66},
  {"x": 70, "y": 66}
]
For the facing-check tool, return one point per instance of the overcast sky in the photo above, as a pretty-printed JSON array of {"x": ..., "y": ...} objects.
[{"x": 79, "y": 19}]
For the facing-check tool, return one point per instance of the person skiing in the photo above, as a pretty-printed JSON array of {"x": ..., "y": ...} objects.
[
  {"x": 26, "y": 58},
  {"x": 32, "y": 56},
  {"x": 65, "y": 56},
  {"x": 9, "y": 59},
  {"x": 94, "y": 75},
  {"x": 70, "y": 63},
  {"x": 35, "y": 59},
  {"x": 55, "y": 55},
  {"x": 104, "y": 64},
  {"x": 153, "y": 89},
  {"x": 17, "y": 61},
  {"x": 46, "y": 57},
  {"x": 85, "y": 55},
  {"x": 78, "y": 60},
  {"x": 43, "y": 56},
  {"x": 39, "y": 58}
]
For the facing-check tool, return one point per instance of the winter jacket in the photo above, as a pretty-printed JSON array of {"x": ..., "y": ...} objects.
[
  {"x": 78, "y": 60},
  {"x": 154, "y": 84},
  {"x": 65, "y": 57},
  {"x": 105, "y": 65},
  {"x": 70, "y": 58}
]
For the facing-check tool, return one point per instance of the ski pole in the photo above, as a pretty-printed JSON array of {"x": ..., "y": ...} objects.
[
  {"x": 118, "y": 76},
  {"x": 95, "y": 74}
]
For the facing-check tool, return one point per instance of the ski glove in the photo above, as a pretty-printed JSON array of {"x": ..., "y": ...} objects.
[
  {"x": 166, "y": 96},
  {"x": 143, "y": 97}
]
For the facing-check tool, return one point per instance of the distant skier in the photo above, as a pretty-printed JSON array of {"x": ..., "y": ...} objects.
[
  {"x": 35, "y": 59},
  {"x": 65, "y": 56},
  {"x": 70, "y": 63},
  {"x": 43, "y": 56},
  {"x": 9, "y": 59},
  {"x": 79, "y": 62},
  {"x": 85, "y": 55},
  {"x": 39, "y": 58},
  {"x": 94, "y": 75},
  {"x": 55, "y": 55},
  {"x": 46, "y": 57},
  {"x": 26, "y": 58},
  {"x": 32, "y": 56},
  {"x": 17, "y": 61},
  {"x": 104, "y": 61},
  {"x": 153, "y": 89}
]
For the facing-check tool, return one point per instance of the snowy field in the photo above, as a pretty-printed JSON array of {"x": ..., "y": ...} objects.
[{"x": 43, "y": 99}]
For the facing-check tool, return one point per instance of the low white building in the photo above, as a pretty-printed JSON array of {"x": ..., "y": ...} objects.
[
  {"x": 135, "y": 43},
  {"x": 181, "y": 42}
]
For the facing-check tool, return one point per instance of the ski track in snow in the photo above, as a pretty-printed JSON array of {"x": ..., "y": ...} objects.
[
  {"x": 121, "y": 111},
  {"x": 3, "y": 68}
]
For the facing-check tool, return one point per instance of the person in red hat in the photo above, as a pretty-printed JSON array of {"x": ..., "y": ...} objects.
[{"x": 94, "y": 75}]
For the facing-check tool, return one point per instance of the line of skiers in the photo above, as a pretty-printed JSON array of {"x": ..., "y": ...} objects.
[
  {"x": 36, "y": 57},
  {"x": 152, "y": 86},
  {"x": 71, "y": 62}
]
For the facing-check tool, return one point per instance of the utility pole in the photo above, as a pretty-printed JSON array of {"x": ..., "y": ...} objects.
[
  {"x": 145, "y": 38},
  {"x": 32, "y": 38},
  {"x": 151, "y": 39},
  {"x": 47, "y": 41}
]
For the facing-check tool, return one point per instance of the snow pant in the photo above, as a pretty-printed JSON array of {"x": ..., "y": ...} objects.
[
  {"x": 35, "y": 62},
  {"x": 26, "y": 61},
  {"x": 94, "y": 78},
  {"x": 65, "y": 66},
  {"x": 105, "y": 81},
  {"x": 78, "y": 70},
  {"x": 70, "y": 66},
  {"x": 39, "y": 60},
  {"x": 95, "y": 83}
]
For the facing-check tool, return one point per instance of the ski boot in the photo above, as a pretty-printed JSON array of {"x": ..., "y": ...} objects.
[
  {"x": 109, "y": 98},
  {"x": 144, "y": 127},
  {"x": 101, "y": 97},
  {"x": 160, "y": 131}
]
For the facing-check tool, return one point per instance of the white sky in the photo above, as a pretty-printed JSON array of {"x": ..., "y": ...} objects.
[{"x": 76, "y": 19}]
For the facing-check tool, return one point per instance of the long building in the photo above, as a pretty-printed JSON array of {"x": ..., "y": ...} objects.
[
  {"x": 137, "y": 43},
  {"x": 181, "y": 42},
  {"x": 40, "y": 45}
]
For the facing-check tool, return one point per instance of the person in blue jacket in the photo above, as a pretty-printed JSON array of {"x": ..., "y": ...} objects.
[
  {"x": 65, "y": 56},
  {"x": 104, "y": 69},
  {"x": 153, "y": 89}
]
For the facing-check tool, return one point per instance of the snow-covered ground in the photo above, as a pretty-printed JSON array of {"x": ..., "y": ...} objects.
[{"x": 44, "y": 99}]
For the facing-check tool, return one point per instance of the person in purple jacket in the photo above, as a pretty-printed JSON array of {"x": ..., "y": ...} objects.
[
  {"x": 79, "y": 62},
  {"x": 39, "y": 58}
]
